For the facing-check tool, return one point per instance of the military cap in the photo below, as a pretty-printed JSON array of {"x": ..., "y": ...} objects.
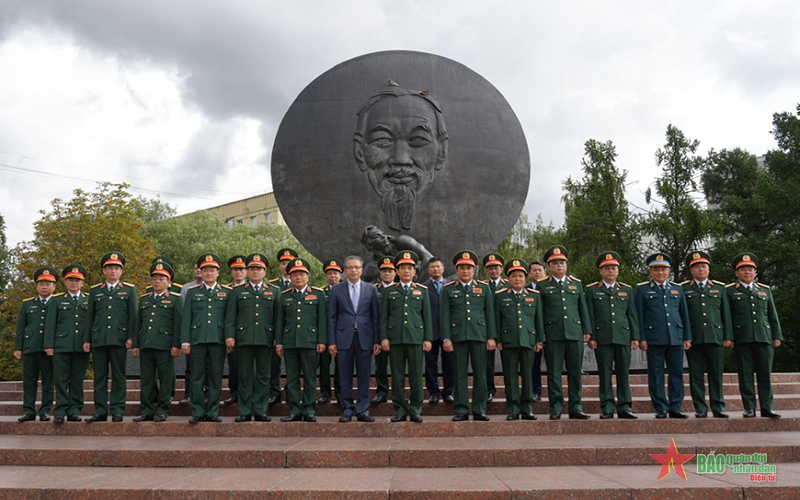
[
  {"x": 162, "y": 268},
  {"x": 698, "y": 257},
  {"x": 465, "y": 257},
  {"x": 45, "y": 274},
  {"x": 658, "y": 259},
  {"x": 555, "y": 253},
  {"x": 333, "y": 265},
  {"x": 257, "y": 259},
  {"x": 607, "y": 258},
  {"x": 386, "y": 262},
  {"x": 516, "y": 265},
  {"x": 745, "y": 259},
  {"x": 406, "y": 257},
  {"x": 298, "y": 265},
  {"x": 208, "y": 259},
  {"x": 493, "y": 259},
  {"x": 237, "y": 261},
  {"x": 74, "y": 271},
  {"x": 286, "y": 254},
  {"x": 163, "y": 259},
  {"x": 112, "y": 258}
]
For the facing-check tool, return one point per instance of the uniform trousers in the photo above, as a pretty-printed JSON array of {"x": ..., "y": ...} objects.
[
  {"x": 116, "y": 358},
  {"x": 755, "y": 357},
  {"x": 33, "y": 365},
  {"x": 69, "y": 370},
  {"x": 463, "y": 352},
  {"x": 399, "y": 355}
]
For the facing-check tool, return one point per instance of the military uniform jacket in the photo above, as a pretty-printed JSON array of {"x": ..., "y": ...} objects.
[
  {"x": 302, "y": 321},
  {"x": 158, "y": 322},
  {"x": 251, "y": 317},
  {"x": 519, "y": 319},
  {"x": 467, "y": 314},
  {"x": 203, "y": 319},
  {"x": 709, "y": 312},
  {"x": 31, "y": 325},
  {"x": 111, "y": 316},
  {"x": 566, "y": 316},
  {"x": 406, "y": 315},
  {"x": 66, "y": 324},
  {"x": 612, "y": 314},
  {"x": 663, "y": 316},
  {"x": 280, "y": 284},
  {"x": 753, "y": 314}
]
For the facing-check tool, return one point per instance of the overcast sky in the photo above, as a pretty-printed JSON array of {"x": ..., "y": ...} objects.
[{"x": 183, "y": 98}]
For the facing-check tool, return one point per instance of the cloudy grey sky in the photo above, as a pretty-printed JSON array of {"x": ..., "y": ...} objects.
[{"x": 183, "y": 98}]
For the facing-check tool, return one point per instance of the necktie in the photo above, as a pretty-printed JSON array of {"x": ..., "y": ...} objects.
[
  {"x": 663, "y": 288},
  {"x": 74, "y": 299},
  {"x": 438, "y": 286},
  {"x": 560, "y": 283},
  {"x": 700, "y": 286},
  {"x": 257, "y": 288},
  {"x": 354, "y": 296},
  {"x": 611, "y": 289},
  {"x": 110, "y": 288}
]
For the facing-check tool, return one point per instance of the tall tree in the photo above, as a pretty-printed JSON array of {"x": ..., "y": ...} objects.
[
  {"x": 598, "y": 217},
  {"x": 5, "y": 275},
  {"x": 678, "y": 223}
]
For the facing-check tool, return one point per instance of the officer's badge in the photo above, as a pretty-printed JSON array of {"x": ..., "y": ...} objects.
[
  {"x": 287, "y": 252},
  {"x": 516, "y": 263},
  {"x": 238, "y": 259},
  {"x": 75, "y": 270},
  {"x": 491, "y": 257},
  {"x": 745, "y": 258},
  {"x": 298, "y": 262},
  {"x": 333, "y": 263},
  {"x": 609, "y": 256},
  {"x": 45, "y": 273},
  {"x": 556, "y": 251},
  {"x": 114, "y": 256},
  {"x": 256, "y": 257},
  {"x": 160, "y": 266},
  {"x": 209, "y": 258},
  {"x": 659, "y": 257},
  {"x": 695, "y": 255},
  {"x": 465, "y": 255},
  {"x": 406, "y": 255}
]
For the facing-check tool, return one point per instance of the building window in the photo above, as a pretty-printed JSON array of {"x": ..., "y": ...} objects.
[
  {"x": 229, "y": 222},
  {"x": 266, "y": 216},
  {"x": 253, "y": 221}
]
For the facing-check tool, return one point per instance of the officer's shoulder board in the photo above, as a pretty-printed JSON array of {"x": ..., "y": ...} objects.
[
  {"x": 59, "y": 294},
  {"x": 642, "y": 283},
  {"x": 717, "y": 282},
  {"x": 573, "y": 278},
  {"x": 128, "y": 284},
  {"x": 502, "y": 290},
  {"x": 288, "y": 290},
  {"x": 761, "y": 285},
  {"x": 227, "y": 287},
  {"x": 318, "y": 288},
  {"x": 624, "y": 284},
  {"x": 29, "y": 298},
  {"x": 273, "y": 280},
  {"x": 179, "y": 285},
  {"x": 194, "y": 286},
  {"x": 98, "y": 284},
  {"x": 676, "y": 284},
  {"x": 420, "y": 285},
  {"x": 240, "y": 284},
  {"x": 731, "y": 284},
  {"x": 449, "y": 283},
  {"x": 590, "y": 285},
  {"x": 273, "y": 286},
  {"x": 685, "y": 282},
  {"x": 482, "y": 282},
  {"x": 144, "y": 295}
]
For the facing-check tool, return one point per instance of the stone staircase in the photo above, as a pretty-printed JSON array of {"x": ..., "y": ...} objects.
[{"x": 436, "y": 459}]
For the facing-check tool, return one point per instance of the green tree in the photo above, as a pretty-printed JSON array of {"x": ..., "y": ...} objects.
[
  {"x": 527, "y": 241},
  {"x": 598, "y": 217},
  {"x": 5, "y": 275},
  {"x": 678, "y": 223}
]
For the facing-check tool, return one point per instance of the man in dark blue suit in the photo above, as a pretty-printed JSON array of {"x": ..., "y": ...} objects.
[
  {"x": 353, "y": 336},
  {"x": 665, "y": 333},
  {"x": 434, "y": 286}
]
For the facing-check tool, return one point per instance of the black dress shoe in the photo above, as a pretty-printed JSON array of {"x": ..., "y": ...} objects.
[
  {"x": 292, "y": 418},
  {"x": 720, "y": 414},
  {"x": 97, "y": 418},
  {"x": 365, "y": 417},
  {"x": 489, "y": 397},
  {"x": 555, "y": 415},
  {"x": 460, "y": 417},
  {"x": 701, "y": 414},
  {"x": 627, "y": 415},
  {"x": 579, "y": 415},
  {"x": 749, "y": 414},
  {"x": 195, "y": 420},
  {"x": 143, "y": 418},
  {"x": 229, "y": 401},
  {"x": 242, "y": 418},
  {"x": 661, "y": 414},
  {"x": 481, "y": 417},
  {"x": 160, "y": 418},
  {"x": 769, "y": 413},
  {"x": 537, "y": 397},
  {"x": 262, "y": 417},
  {"x": 73, "y": 418},
  {"x": 324, "y": 400},
  {"x": 606, "y": 415},
  {"x": 27, "y": 418},
  {"x": 214, "y": 419},
  {"x": 185, "y": 401},
  {"x": 309, "y": 418},
  {"x": 117, "y": 417},
  {"x": 513, "y": 416},
  {"x": 345, "y": 418},
  {"x": 44, "y": 417},
  {"x": 416, "y": 418},
  {"x": 398, "y": 418},
  {"x": 58, "y": 419},
  {"x": 378, "y": 399},
  {"x": 449, "y": 399},
  {"x": 677, "y": 414},
  {"x": 528, "y": 416},
  {"x": 434, "y": 399}
]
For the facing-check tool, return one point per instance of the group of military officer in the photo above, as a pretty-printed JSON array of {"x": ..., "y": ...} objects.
[{"x": 264, "y": 322}]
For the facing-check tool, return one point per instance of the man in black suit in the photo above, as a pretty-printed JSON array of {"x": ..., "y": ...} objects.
[
  {"x": 434, "y": 286},
  {"x": 353, "y": 336},
  {"x": 537, "y": 273}
]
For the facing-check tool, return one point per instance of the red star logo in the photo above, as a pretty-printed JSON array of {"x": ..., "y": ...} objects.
[{"x": 672, "y": 460}]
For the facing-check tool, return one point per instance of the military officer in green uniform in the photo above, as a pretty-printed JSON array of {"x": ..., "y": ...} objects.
[
  {"x": 710, "y": 316},
  {"x": 203, "y": 337},
  {"x": 615, "y": 332},
  {"x": 756, "y": 334},
  {"x": 520, "y": 333},
  {"x": 466, "y": 319},
  {"x": 29, "y": 346},
  {"x": 285, "y": 256},
  {"x": 173, "y": 287},
  {"x": 250, "y": 331},
  {"x": 64, "y": 341},
  {"x": 111, "y": 319},
  {"x": 406, "y": 334},
  {"x": 156, "y": 342},
  {"x": 388, "y": 275},
  {"x": 302, "y": 333},
  {"x": 333, "y": 275},
  {"x": 238, "y": 268},
  {"x": 566, "y": 328},
  {"x": 493, "y": 263}
]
